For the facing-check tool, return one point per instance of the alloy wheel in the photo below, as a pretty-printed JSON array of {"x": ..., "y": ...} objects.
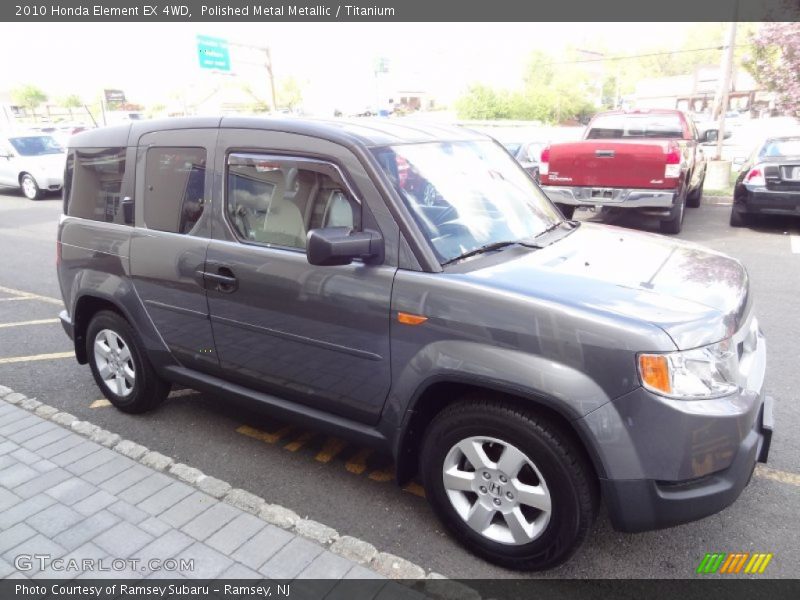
[
  {"x": 497, "y": 490},
  {"x": 114, "y": 362}
]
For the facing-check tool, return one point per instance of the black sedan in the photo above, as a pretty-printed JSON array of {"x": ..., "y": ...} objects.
[{"x": 769, "y": 182}]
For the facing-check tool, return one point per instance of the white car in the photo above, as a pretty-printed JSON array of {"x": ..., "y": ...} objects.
[{"x": 32, "y": 162}]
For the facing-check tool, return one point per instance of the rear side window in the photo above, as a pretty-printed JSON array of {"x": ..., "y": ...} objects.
[
  {"x": 174, "y": 188},
  {"x": 636, "y": 126},
  {"x": 93, "y": 184}
]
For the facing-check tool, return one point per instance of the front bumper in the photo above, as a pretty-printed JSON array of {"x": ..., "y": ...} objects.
[
  {"x": 644, "y": 504},
  {"x": 51, "y": 183},
  {"x": 595, "y": 196}
]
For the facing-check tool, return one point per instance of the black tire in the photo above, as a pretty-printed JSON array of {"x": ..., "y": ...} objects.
[
  {"x": 563, "y": 466},
  {"x": 30, "y": 188},
  {"x": 674, "y": 223},
  {"x": 148, "y": 389},
  {"x": 738, "y": 218},
  {"x": 695, "y": 197},
  {"x": 567, "y": 210}
]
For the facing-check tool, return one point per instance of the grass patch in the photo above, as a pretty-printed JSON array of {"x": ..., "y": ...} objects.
[{"x": 725, "y": 192}]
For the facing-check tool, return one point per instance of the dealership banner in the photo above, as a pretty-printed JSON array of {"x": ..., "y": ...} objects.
[
  {"x": 356, "y": 589},
  {"x": 401, "y": 10}
]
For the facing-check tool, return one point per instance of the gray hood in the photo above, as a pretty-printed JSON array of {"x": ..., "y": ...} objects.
[{"x": 697, "y": 296}]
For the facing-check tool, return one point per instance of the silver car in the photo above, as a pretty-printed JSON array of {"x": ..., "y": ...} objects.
[{"x": 32, "y": 162}]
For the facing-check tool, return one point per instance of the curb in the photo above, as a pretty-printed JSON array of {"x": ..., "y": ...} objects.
[{"x": 360, "y": 551}]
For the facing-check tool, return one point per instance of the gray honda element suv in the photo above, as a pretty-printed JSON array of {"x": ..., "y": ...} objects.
[{"x": 410, "y": 287}]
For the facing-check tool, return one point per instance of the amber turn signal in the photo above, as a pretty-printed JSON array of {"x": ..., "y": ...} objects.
[
  {"x": 654, "y": 370},
  {"x": 409, "y": 319}
]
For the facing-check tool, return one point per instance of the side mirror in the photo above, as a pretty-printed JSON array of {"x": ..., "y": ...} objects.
[
  {"x": 331, "y": 246},
  {"x": 711, "y": 135}
]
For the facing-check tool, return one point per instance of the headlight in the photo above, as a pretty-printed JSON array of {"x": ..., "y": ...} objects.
[{"x": 707, "y": 372}]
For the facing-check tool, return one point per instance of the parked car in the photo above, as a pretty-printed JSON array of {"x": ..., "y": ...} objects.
[
  {"x": 527, "y": 154},
  {"x": 769, "y": 182},
  {"x": 650, "y": 161},
  {"x": 409, "y": 287},
  {"x": 33, "y": 163}
]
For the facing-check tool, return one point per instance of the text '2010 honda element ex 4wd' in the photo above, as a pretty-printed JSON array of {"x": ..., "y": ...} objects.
[{"x": 410, "y": 287}]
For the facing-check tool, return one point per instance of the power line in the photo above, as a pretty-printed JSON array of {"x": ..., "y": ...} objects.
[{"x": 633, "y": 56}]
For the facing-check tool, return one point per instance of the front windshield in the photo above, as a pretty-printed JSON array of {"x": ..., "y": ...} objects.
[
  {"x": 36, "y": 145},
  {"x": 465, "y": 195}
]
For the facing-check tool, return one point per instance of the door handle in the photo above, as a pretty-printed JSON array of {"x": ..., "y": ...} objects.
[{"x": 224, "y": 280}]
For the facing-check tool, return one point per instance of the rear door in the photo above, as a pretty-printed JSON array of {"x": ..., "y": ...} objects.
[
  {"x": 316, "y": 335},
  {"x": 173, "y": 227}
]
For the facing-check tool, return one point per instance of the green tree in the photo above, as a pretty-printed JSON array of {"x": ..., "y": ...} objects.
[
  {"x": 481, "y": 102},
  {"x": 70, "y": 102},
  {"x": 28, "y": 96},
  {"x": 290, "y": 94}
]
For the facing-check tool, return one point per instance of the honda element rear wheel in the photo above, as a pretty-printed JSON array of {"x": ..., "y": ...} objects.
[{"x": 122, "y": 371}]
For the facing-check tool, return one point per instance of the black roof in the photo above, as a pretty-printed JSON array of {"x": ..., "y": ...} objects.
[{"x": 365, "y": 132}]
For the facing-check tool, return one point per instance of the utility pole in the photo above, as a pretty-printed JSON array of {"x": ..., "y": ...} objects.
[
  {"x": 727, "y": 72},
  {"x": 271, "y": 77}
]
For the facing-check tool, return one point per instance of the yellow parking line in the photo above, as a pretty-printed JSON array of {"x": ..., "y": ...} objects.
[
  {"x": 19, "y": 359},
  {"x": 17, "y": 298},
  {"x": 21, "y": 323},
  {"x": 23, "y": 295},
  {"x": 358, "y": 463},
  {"x": 415, "y": 489},
  {"x": 269, "y": 438},
  {"x": 383, "y": 475},
  {"x": 776, "y": 475},
  {"x": 332, "y": 447},
  {"x": 103, "y": 403},
  {"x": 299, "y": 441}
]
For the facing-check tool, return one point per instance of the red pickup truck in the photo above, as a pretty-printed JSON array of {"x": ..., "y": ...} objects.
[{"x": 646, "y": 160}]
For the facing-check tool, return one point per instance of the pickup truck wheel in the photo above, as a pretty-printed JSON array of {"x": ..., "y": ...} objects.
[
  {"x": 674, "y": 223},
  {"x": 120, "y": 368},
  {"x": 30, "y": 189},
  {"x": 696, "y": 196},
  {"x": 508, "y": 484},
  {"x": 566, "y": 210}
]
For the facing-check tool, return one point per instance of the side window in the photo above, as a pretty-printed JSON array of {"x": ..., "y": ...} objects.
[
  {"x": 95, "y": 181},
  {"x": 174, "y": 188},
  {"x": 277, "y": 201}
]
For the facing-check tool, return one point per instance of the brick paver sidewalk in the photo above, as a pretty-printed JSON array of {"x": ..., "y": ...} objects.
[{"x": 68, "y": 497}]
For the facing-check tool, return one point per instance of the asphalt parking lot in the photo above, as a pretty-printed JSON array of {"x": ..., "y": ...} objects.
[{"x": 350, "y": 488}]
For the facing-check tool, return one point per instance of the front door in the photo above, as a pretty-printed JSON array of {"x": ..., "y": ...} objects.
[
  {"x": 317, "y": 335},
  {"x": 171, "y": 237}
]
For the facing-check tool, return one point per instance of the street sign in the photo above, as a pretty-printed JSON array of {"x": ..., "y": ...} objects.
[
  {"x": 213, "y": 53},
  {"x": 114, "y": 96}
]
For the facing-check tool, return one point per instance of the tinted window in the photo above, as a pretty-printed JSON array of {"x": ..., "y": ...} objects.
[
  {"x": 276, "y": 202},
  {"x": 96, "y": 181},
  {"x": 636, "y": 125},
  {"x": 174, "y": 188}
]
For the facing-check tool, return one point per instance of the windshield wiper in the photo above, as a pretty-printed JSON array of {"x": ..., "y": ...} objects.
[{"x": 481, "y": 250}]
